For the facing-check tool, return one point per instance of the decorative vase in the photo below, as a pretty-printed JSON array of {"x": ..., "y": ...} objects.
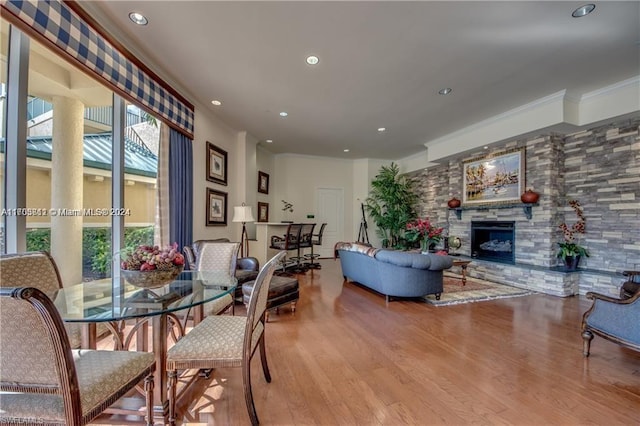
[
  {"x": 427, "y": 246},
  {"x": 151, "y": 279},
  {"x": 529, "y": 197},
  {"x": 571, "y": 262},
  {"x": 453, "y": 203}
]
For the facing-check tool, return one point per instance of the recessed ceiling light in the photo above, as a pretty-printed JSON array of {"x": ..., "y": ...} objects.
[
  {"x": 583, "y": 10},
  {"x": 345, "y": 150},
  {"x": 445, "y": 91},
  {"x": 283, "y": 114},
  {"x": 269, "y": 141},
  {"x": 485, "y": 147},
  {"x": 312, "y": 60},
  {"x": 216, "y": 102},
  {"x": 138, "y": 18},
  {"x": 382, "y": 129}
]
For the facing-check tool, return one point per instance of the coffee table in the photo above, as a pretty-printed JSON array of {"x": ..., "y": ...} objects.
[{"x": 463, "y": 266}]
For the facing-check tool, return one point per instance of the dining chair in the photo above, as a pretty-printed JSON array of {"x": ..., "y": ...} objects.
[
  {"x": 44, "y": 381},
  {"x": 226, "y": 341},
  {"x": 218, "y": 256},
  {"x": 36, "y": 269},
  {"x": 247, "y": 268}
]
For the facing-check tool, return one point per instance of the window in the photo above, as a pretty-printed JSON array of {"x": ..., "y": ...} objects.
[{"x": 69, "y": 166}]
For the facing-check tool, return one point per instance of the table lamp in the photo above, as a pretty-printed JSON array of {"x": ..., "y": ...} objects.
[{"x": 243, "y": 214}]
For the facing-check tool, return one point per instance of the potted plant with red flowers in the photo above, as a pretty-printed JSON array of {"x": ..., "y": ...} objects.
[{"x": 422, "y": 231}]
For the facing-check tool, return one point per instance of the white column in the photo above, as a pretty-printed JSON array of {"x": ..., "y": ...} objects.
[{"x": 66, "y": 187}]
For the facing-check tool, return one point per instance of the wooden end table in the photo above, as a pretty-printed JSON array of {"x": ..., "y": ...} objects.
[{"x": 463, "y": 266}]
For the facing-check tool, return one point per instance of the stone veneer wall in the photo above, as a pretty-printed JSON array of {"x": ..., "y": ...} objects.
[{"x": 599, "y": 167}]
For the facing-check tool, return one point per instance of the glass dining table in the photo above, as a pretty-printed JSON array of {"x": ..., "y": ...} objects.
[{"x": 118, "y": 304}]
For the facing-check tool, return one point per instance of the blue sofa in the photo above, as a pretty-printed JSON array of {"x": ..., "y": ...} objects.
[{"x": 393, "y": 273}]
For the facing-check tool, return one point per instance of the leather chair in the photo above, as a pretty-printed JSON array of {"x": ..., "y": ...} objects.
[
  {"x": 631, "y": 286},
  {"x": 44, "y": 381}
]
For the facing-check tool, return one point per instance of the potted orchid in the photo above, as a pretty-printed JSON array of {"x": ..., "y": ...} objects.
[
  {"x": 422, "y": 231},
  {"x": 570, "y": 251}
]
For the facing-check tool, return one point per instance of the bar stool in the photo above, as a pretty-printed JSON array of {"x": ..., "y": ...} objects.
[{"x": 315, "y": 241}]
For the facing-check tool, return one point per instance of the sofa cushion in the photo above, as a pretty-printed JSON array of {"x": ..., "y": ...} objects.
[{"x": 414, "y": 260}]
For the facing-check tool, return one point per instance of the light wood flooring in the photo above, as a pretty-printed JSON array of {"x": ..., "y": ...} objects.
[{"x": 346, "y": 358}]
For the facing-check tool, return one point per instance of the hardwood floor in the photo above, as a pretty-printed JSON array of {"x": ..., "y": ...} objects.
[{"x": 346, "y": 358}]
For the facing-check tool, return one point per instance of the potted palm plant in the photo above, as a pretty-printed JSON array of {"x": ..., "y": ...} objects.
[
  {"x": 391, "y": 204},
  {"x": 570, "y": 250}
]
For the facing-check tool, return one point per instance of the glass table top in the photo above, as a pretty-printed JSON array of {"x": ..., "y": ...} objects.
[{"x": 102, "y": 300}]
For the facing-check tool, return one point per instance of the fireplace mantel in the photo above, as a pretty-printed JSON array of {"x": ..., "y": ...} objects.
[{"x": 527, "y": 207}]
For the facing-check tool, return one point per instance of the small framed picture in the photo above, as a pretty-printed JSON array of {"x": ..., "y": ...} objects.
[
  {"x": 263, "y": 212},
  {"x": 216, "y": 164},
  {"x": 263, "y": 182},
  {"x": 216, "y": 208}
]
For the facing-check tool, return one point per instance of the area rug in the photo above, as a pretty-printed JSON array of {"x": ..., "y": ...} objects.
[{"x": 475, "y": 290}]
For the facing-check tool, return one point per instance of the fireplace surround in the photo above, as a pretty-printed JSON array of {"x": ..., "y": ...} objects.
[{"x": 493, "y": 241}]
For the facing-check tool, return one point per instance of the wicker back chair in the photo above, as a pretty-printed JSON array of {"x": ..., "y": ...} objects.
[
  {"x": 226, "y": 341},
  {"x": 47, "y": 381}
]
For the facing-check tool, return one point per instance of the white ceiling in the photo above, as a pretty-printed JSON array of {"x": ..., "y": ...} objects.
[{"x": 381, "y": 63}]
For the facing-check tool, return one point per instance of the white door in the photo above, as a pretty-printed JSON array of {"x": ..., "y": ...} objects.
[{"x": 330, "y": 210}]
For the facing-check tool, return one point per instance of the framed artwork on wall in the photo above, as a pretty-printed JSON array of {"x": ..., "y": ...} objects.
[
  {"x": 263, "y": 212},
  {"x": 494, "y": 179},
  {"x": 216, "y": 208},
  {"x": 216, "y": 164},
  {"x": 263, "y": 182}
]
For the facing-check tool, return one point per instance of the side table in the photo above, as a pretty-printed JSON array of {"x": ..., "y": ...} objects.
[{"x": 463, "y": 266}]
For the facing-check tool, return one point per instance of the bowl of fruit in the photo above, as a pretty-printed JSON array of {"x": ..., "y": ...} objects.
[{"x": 151, "y": 266}]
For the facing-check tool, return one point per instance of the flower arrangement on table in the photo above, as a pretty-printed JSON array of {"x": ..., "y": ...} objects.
[
  {"x": 151, "y": 266},
  {"x": 422, "y": 231},
  {"x": 570, "y": 247}
]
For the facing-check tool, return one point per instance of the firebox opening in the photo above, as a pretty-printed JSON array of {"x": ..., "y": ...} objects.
[{"x": 493, "y": 241}]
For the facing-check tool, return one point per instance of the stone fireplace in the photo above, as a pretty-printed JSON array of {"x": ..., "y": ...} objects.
[
  {"x": 597, "y": 167},
  {"x": 493, "y": 241}
]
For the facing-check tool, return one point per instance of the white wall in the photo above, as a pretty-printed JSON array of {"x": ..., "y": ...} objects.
[
  {"x": 296, "y": 179},
  {"x": 207, "y": 127},
  {"x": 293, "y": 178}
]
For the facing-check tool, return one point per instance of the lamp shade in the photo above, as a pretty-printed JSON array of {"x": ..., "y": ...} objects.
[{"x": 242, "y": 214}]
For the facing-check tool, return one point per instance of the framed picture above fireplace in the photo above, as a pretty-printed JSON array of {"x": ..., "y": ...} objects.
[{"x": 497, "y": 178}]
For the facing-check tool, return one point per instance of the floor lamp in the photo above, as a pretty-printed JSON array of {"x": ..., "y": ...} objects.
[{"x": 243, "y": 214}]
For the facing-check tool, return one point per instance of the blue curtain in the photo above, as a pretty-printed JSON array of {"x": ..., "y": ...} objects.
[{"x": 180, "y": 189}]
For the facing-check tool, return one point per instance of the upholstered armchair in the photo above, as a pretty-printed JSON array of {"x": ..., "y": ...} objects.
[
  {"x": 44, "y": 381},
  {"x": 614, "y": 319}
]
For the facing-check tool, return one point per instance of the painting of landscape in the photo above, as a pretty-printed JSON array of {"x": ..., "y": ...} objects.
[{"x": 497, "y": 178}]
